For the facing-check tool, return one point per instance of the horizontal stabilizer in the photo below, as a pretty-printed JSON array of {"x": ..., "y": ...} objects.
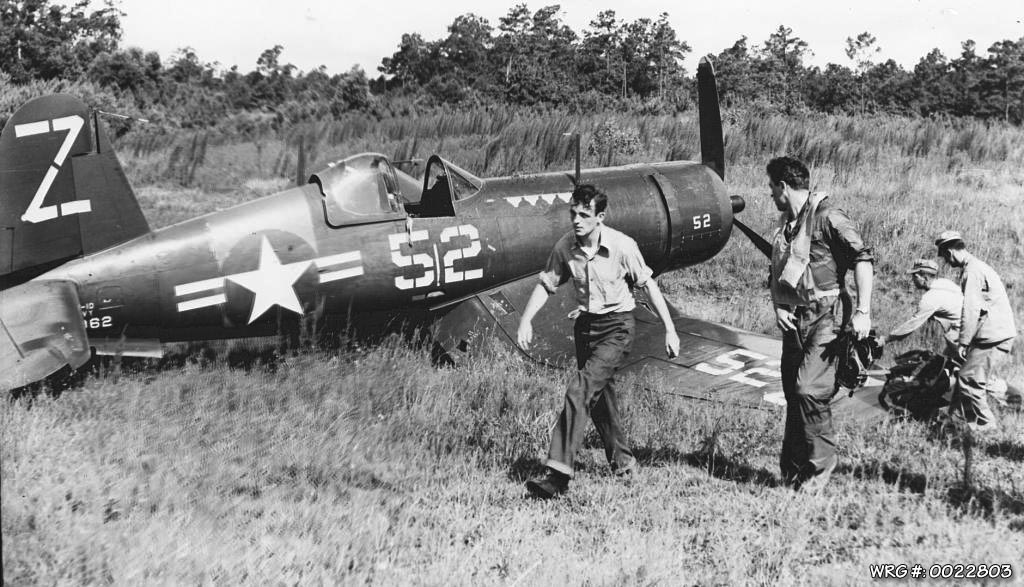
[{"x": 41, "y": 331}]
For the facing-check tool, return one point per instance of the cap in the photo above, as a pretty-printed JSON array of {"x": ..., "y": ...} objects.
[
  {"x": 948, "y": 237},
  {"x": 926, "y": 266}
]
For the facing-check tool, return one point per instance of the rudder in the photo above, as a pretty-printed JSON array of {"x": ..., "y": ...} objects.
[{"x": 63, "y": 193}]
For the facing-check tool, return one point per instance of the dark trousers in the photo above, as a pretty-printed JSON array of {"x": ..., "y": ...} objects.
[
  {"x": 809, "y": 383},
  {"x": 970, "y": 404},
  {"x": 603, "y": 342}
]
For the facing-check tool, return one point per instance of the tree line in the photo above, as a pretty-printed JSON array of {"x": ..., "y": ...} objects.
[
  {"x": 530, "y": 58},
  {"x": 533, "y": 58}
]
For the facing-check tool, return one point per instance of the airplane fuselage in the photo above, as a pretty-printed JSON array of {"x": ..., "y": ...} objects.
[{"x": 241, "y": 272}]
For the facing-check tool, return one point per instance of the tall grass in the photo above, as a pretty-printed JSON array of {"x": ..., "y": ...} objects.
[{"x": 527, "y": 141}]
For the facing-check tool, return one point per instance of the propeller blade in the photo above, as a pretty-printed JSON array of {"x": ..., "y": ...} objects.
[
  {"x": 759, "y": 241},
  {"x": 712, "y": 145}
]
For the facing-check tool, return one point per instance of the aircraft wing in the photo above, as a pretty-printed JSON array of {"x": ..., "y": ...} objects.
[
  {"x": 41, "y": 331},
  {"x": 715, "y": 362}
]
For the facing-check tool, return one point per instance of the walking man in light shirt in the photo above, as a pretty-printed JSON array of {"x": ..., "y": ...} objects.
[
  {"x": 603, "y": 264},
  {"x": 987, "y": 330}
]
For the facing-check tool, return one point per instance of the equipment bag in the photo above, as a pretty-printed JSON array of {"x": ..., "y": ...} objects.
[{"x": 917, "y": 385}]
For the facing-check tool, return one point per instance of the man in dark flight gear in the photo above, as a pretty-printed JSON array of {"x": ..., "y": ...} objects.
[{"x": 813, "y": 247}]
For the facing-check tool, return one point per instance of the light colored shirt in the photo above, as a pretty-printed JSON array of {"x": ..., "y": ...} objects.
[
  {"x": 943, "y": 303},
  {"x": 602, "y": 281},
  {"x": 987, "y": 316}
]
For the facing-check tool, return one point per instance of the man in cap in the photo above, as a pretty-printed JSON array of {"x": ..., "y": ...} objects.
[
  {"x": 942, "y": 301},
  {"x": 813, "y": 248},
  {"x": 986, "y": 335}
]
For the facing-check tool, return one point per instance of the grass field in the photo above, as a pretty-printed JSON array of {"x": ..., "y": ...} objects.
[{"x": 367, "y": 465}]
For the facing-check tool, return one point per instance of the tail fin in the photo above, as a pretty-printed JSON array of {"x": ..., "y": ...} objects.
[{"x": 63, "y": 193}]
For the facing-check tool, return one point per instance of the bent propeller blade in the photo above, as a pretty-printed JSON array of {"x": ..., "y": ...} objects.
[{"x": 712, "y": 144}]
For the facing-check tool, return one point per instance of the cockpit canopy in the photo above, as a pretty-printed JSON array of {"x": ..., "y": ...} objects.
[
  {"x": 367, "y": 188},
  {"x": 462, "y": 183},
  {"x": 362, "y": 188},
  {"x": 444, "y": 183}
]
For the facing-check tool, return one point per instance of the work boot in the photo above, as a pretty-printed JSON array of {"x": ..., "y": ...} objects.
[
  {"x": 551, "y": 484},
  {"x": 628, "y": 473},
  {"x": 815, "y": 483}
]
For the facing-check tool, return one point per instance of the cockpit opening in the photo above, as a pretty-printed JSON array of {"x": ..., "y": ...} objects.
[{"x": 443, "y": 184}]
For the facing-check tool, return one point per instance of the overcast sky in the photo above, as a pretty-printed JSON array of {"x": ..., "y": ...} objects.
[{"x": 343, "y": 33}]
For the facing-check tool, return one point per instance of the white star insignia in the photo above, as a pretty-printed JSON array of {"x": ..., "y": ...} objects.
[{"x": 272, "y": 283}]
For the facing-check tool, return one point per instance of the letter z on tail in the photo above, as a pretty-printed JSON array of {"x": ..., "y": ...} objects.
[{"x": 63, "y": 193}]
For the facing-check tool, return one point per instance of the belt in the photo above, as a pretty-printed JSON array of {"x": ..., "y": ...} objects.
[
  {"x": 594, "y": 316},
  {"x": 825, "y": 303}
]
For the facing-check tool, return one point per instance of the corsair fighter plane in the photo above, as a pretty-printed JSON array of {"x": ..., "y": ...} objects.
[{"x": 81, "y": 271}]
